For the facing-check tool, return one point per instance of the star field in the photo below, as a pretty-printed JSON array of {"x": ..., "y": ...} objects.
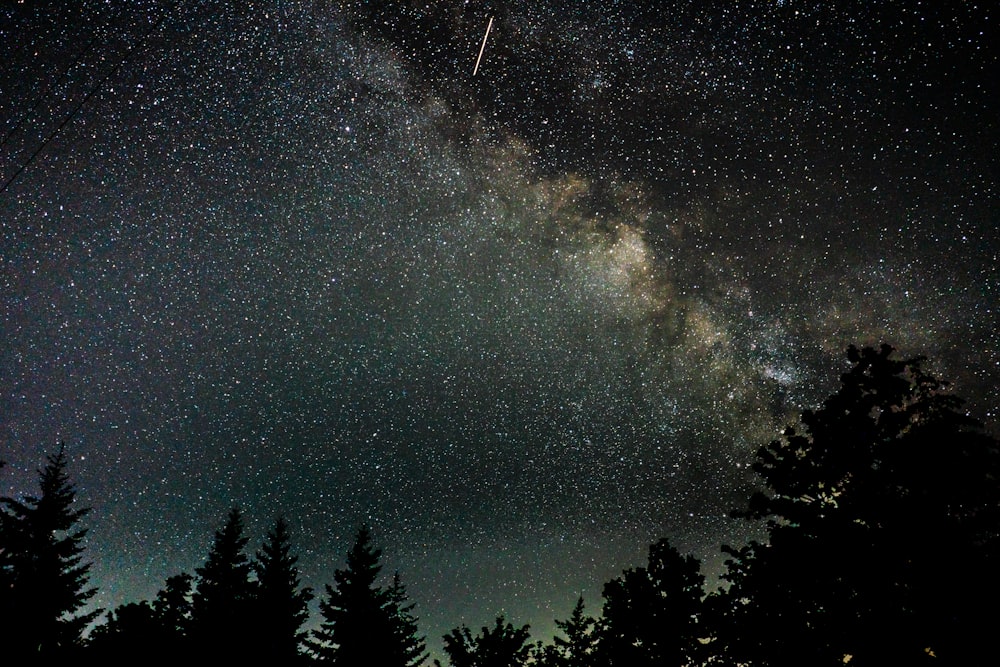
[{"x": 293, "y": 256}]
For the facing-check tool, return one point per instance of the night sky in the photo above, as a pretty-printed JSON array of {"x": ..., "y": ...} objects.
[{"x": 295, "y": 257}]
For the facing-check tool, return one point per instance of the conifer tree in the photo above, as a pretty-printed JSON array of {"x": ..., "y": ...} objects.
[
  {"x": 408, "y": 646},
  {"x": 579, "y": 646},
  {"x": 282, "y": 605},
  {"x": 44, "y": 573},
  {"x": 363, "y": 622},
  {"x": 221, "y": 622}
]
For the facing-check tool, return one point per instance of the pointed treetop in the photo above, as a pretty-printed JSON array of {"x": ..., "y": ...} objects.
[
  {"x": 58, "y": 493},
  {"x": 44, "y": 571}
]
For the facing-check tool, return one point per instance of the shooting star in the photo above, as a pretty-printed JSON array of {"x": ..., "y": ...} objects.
[{"x": 483, "y": 47}]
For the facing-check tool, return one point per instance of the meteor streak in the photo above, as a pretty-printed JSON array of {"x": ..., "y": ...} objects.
[{"x": 483, "y": 47}]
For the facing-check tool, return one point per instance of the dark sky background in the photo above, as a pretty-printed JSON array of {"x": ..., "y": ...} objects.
[{"x": 294, "y": 256}]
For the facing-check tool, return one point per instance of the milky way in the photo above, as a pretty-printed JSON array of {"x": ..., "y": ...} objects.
[{"x": 296, "y": 258}]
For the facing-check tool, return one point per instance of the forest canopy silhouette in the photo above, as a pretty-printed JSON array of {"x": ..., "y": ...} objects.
[{"x": 881, "y": 510}]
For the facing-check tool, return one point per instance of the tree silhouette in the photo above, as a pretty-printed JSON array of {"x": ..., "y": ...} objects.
[
  {"x": 282, "y": 605},
  {"x": 221, "y": 609},
  {"x": 132, "y": 629},
  {"x": 364, "y": 623},
  {"x": 43, "y": 571},
  {"x": 503, "y": 646},
  {"x": 579, "y": 647},
  {"x": 876, "y": 511},
  {"x": 173, "y": 607},
  {"x": 148, "y": 631},
  {"x": 408, "y": 647},
  {"x": 651, "y": 615}
]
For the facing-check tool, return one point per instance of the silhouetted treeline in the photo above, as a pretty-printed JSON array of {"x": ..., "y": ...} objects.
[{"x": 882, "y": 512}]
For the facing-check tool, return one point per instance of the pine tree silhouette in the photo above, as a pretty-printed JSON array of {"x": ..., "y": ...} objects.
[
  {"x": 408, "y": 646},
  {"x": 579, "y": 646},
  {"x": 282, "y": 605},
  {"x": 221, "y": 609},
  {"x": 364, "y": 623},
  {"x": 43, "y": 571}
]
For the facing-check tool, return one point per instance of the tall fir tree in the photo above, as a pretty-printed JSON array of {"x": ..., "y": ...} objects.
[
  {"x": 579, "y": 645},
  {"x": 282, "y": 604},
  {"x": 222, "y": 604},
  {"x": 44, "y": 573},
  {"x": 363, "y": 622},
  {"x": 409, "y": 648}
]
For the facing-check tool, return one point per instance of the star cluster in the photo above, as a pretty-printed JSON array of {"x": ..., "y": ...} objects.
[{"x": 294, "y": 256}]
